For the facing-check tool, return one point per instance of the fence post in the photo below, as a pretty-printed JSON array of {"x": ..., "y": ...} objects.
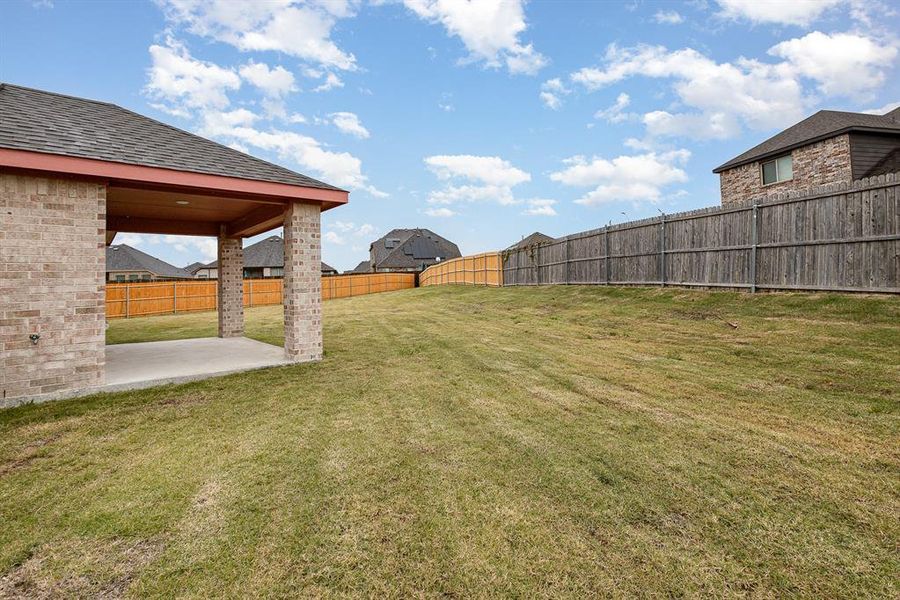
[
  {"x": 606, "y": 238},
  {"x": 250, "y": 293},
  {"x": 174, "y": 297},
  {"x": 754, "y": 241},
  {"x": 662, "y": 250},
  {"x": 567, "y": 261},
  {"x": 127, "y": 299}
]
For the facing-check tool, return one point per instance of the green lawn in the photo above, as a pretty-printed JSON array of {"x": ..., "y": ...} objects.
[{"x": 460, "y": 441}]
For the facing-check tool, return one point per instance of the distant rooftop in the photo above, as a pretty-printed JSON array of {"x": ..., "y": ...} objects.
[
  {"x": 122, "y": 257},
  {"x": 822, "y": 125}
]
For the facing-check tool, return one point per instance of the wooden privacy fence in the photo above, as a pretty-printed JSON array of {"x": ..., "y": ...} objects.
[
  {"x": 478, "y": 269},
  {"x": 841, "y": 237},
  {"x": 168, "y": 297}
]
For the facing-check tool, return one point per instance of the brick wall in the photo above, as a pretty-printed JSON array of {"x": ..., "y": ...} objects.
[
  {"x": 52, "y": 269},
  {"x": 231, "y": 287},
  {"x": 818, "y": 164},
  {"x": 302, "y": 283}
]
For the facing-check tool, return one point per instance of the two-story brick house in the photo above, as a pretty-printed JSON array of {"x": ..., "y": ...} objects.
[{"x": 828, "y": 147}]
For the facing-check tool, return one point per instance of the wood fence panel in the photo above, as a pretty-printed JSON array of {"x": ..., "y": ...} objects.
[
  {"x": 838, "y": 237},
  {"x": 479, "y": 269},
  {"x": 169, "y": 297}
]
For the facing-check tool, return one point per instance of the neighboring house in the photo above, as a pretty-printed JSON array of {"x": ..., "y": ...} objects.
[
  {"x": 124, "y": 263},
  {"x": 828, "y": 147},
  {"x": 535, "y": 238},
  {"x": 409, "y": 250},
  {"x": 262, "y": 260},
  {"x": 194, "y": 267},
  {"x": 363, "y": 267}
]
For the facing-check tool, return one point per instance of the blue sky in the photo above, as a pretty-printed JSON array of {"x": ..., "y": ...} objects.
[{"x": 482, "y": 121}]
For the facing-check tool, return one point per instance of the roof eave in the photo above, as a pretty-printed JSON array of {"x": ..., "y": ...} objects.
[
  {"x": 732, "y": 164},
  {"x": 157, "y": 176}
]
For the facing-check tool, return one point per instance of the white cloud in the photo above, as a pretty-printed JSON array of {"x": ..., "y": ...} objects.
[
  {"x": 614, "y": 113},
  {"x": 475, "y": 179},
  {"x": 206, "y": 247},
  {"x": 352, "y": 228},
  {"x": 638, "y": 178},
  {"x": 299, "y": 29},
  {"x": 455, "y": 194},
  {"x": 491, "y": 170},
  {"x": 175, "y": 77},
  {"x": 883, "y": 110},
  {"x": 722, "y": 98},
  {"x": 331, "y": 82},
  {"x": 445, "y": 107},
  {"x": 489, "y": 29},
  {"x": 350, "y": 124},
  {"x": 333, "y": 238},
  {"x": 668, "y": 17},
  {"x": 716, "y": 125},
  {"x": 842, "y": 64},
  {"x": 792, "y": 12},
  {"x": 540, "y": 207},
  {"x": 440, "y": 212},
  {"x": 552, "y": 92},
  {"x": 275, "y": 82}
]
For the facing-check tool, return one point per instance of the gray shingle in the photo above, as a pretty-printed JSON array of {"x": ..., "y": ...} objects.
[
  {"x": 411, "y": 248},
  {"x": 822, "y": 125},
  {"x": 535, "y": 238},
  {"x": 40, "y": 121},
  {"x": 266, "y": 253},
  {"x": 121, "y": 257}
]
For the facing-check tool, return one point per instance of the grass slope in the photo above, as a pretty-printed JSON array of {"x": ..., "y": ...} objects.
[{"x": 460, "y": 441}]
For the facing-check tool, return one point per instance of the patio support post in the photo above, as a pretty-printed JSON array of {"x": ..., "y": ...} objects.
[
  {"x": 302, "y": 283},
  {"x": 231, "y": 286}
]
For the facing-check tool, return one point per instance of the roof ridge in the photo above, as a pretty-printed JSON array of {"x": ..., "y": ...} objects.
[{"x": 58, "y": 94}]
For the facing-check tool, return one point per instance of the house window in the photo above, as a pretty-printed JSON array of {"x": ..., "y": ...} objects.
[{"x": 780, "y": 169}]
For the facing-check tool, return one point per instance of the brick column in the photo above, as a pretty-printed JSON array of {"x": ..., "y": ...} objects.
[
  {"x": 52, "y": 270},
  {"x": 231, "y": 287},
  {"x": 302, "y": 283}
]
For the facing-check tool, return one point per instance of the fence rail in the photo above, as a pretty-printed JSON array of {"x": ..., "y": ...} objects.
[
  {"x": 478, "y": 269},
  {"x": 842, "y": 238},
  {"x": 125, "y": 300}
]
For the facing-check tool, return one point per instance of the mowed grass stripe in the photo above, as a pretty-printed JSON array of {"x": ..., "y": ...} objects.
[{"x": 465, "y": 441}]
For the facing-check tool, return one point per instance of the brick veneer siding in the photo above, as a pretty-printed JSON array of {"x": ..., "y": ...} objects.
[
  {"x": 822, "y": 163},
  {"x": 231, "y": 287},
  {"x": 302, "y": 283},
  {"x": 52, "y": 271}
]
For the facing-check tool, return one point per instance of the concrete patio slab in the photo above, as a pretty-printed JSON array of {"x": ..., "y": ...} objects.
[{"x": 147, "y": 364}]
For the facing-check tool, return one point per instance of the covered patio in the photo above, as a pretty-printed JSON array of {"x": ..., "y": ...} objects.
[{"x": 93, "y": 170}]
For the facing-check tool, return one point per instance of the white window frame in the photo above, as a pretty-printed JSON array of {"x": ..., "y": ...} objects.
[{"x": 778, "y": 179}]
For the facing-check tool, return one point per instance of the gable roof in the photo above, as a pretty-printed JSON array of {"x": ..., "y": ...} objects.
[
  {"x": 122, "y": 257},
  {"x": 410, "y": 248},
  {"x": 362, "y": 267},
  {"x": 265, "y": 253},
  {"x": 535, "y": 238},
  {"x": 38, "y": 121},
  {"x": 326, "y": 268},
  {"x": 194, "y": 267},
  {"x": 822, "y": 125}
]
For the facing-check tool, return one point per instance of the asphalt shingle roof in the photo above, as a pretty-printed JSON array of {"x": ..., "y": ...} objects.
[
  {"x": 265, "y": 253},
  {"x": 39, "y": 121},
  {"x": 822, "y": 125},
  {"x": 535, "y": 238},
  {"x": 121, "y": 257},
  {"x": 363, "y": 267},
  {"x": 411, "y": 248}
]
